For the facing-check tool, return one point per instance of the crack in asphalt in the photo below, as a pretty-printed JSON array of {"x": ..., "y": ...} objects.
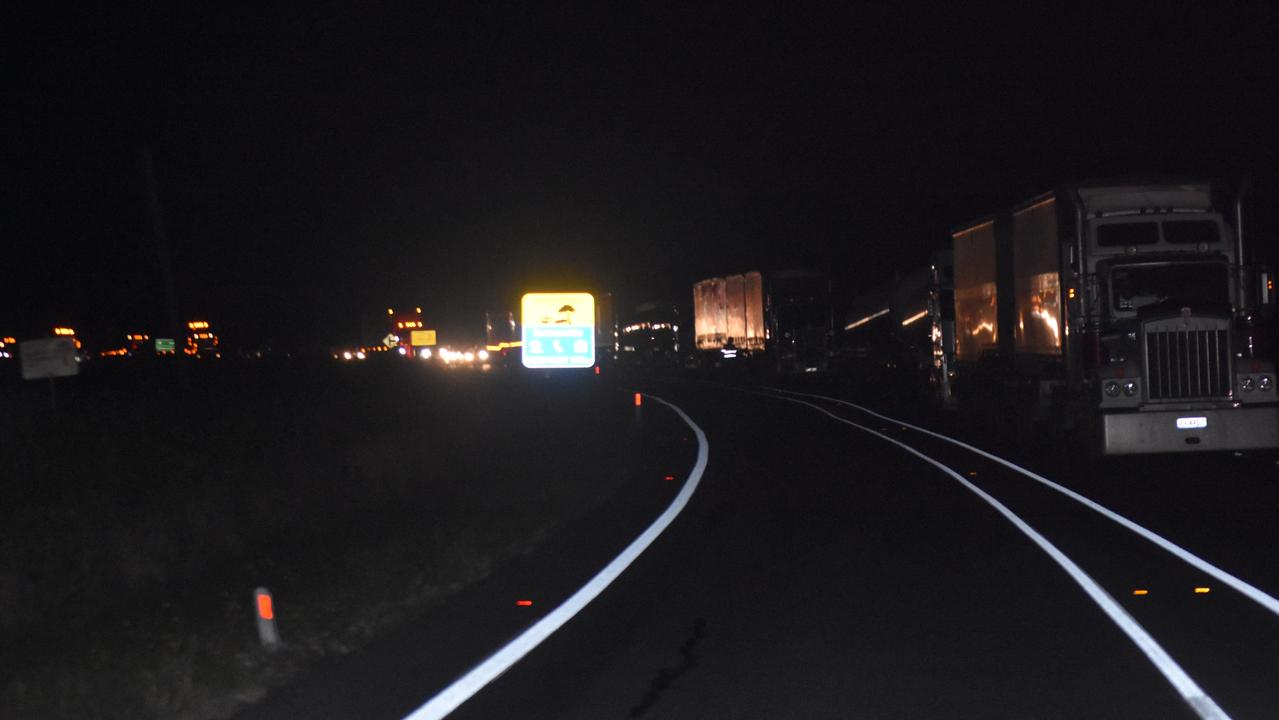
[{"x": 667, "y": 675}]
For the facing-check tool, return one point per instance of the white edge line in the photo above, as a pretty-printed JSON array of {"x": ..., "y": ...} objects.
[
  {"x": 1245, "y": 588},
  {"x": 1189, "y": 690},
  {"x": 465, "y": 687}
]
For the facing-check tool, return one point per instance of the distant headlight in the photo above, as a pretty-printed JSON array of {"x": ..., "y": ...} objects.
[
  {"x": 361, "y": 355},
  {"x": 1130, "y": 388},
  {"x": 1111, "y": 388},
  {"x": 1247, "y": 383},
  {"x": 1263, "y": 382},
  {"x": 402, "y": 351},
  {"x": 347, "y": 355},
  {"x": 483, "y": 354},
  {"x": 425, "y": 354},
  {"x": 469, "y": 356}
]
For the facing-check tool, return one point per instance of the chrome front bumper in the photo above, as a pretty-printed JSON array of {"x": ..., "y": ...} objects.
[{"x": 1237, "y": 428}]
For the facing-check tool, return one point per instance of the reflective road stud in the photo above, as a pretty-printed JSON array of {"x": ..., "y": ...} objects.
[{"x": 265, "y": 608}]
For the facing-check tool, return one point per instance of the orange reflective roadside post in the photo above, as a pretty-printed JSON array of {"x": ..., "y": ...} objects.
[
  {"x": 639, "y": 399},
  {"x": 264, "y": 608}
]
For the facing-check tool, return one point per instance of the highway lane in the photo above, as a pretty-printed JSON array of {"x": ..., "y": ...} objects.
[
  {"x": 822, "y": 572},
  {"x": 394, "y": 673},
  {"x": 1222, "y": 623}
]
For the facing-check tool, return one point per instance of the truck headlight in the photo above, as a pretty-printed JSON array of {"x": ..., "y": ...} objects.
[
  {"x": 1111, "y": 388},
  {"x": 1263, "y": 382},
  {"x": 1247, "y": 383},
  {"x": 1130, "y": 388}
]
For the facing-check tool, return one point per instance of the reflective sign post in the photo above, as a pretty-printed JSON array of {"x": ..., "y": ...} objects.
[{"x": 264, "y": 606}]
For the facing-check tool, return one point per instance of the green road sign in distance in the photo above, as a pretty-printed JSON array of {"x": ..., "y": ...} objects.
[
  {"x": 558, "y": 330},
  {"x": 165, "y": 345}
]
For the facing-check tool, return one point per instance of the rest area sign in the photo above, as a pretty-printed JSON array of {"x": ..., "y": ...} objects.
[{"x": 557, "y": 330}]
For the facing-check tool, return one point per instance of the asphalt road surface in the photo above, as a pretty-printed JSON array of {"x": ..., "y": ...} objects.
[{"x": 822, "y": 570}]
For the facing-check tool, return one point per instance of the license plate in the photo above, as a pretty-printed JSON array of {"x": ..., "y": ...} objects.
[{"x": 1191, "y": 423}]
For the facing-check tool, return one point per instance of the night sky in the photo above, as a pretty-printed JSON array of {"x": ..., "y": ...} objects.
[{"x": 316, "y": 167}]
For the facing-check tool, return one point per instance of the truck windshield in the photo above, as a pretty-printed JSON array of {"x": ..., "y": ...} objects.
[
  {"x": 1191, "y": 232},
  {"x": 1135, "y": 286},
  {"x": 1127, "y": 233}
]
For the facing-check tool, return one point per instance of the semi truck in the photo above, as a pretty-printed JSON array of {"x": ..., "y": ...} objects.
[
  {"x": 800, "y": 321},
  {"x": 1119, "y": 313},
  {"x": 783, "y": 325}
]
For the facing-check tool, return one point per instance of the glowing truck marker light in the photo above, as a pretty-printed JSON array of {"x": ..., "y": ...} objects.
[
  {"x": 914, "y": 318},
  {"x": 524, "y": 603}
]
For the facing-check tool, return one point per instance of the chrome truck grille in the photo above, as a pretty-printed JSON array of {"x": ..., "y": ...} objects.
[{"x": 1186, "y": 363}]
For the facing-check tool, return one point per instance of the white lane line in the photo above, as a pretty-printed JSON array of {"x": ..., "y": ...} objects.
[
  {"x": 1195, "y": 697},
  {"x": 1245, "y": 588},
  {"x": 462, "y": 689}
]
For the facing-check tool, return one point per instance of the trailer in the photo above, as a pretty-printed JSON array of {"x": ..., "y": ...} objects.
[
  {"x": 728, "y": 312},
  {"x": 1120, "y": 314}
]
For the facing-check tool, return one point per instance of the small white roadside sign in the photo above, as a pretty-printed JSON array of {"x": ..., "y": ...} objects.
[{"x": 48, "y": 358}]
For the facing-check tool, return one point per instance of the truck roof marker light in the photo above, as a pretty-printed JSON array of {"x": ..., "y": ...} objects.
[
  {"x": 914, "y": 318},
  {"x": 639, "y": 399},
  {"x": 669, "y": 477},
  {"x": 858, "y": 323},
  {"x": 1141, "y": 591},
  {"x": 597, "y": 369},
  {"x": 971, "y": 473},
  {"x": 524, "y": 603},
  {"x": 1202, "y": 590}
]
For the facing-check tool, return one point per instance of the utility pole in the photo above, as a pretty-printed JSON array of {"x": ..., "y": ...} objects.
[{"x": 162, "y": 252}]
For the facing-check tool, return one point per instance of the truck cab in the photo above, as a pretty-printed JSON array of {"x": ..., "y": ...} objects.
[
  {"x": 1169, "y": 317},
  {"x": 1123, "y": 312}
]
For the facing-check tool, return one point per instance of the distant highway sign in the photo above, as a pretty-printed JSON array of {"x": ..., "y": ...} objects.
[
  {"x": 558, "y": 330},
  {"x": 48, "y": 358}
]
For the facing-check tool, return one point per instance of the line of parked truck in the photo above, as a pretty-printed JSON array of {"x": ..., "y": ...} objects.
[{"x": 1120, "y": 316}]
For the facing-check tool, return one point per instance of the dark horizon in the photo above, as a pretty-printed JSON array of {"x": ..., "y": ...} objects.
[{"x": 314, "y": 170}]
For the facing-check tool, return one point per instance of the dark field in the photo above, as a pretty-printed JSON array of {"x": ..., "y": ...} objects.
[{"x": 137, "y": 518}]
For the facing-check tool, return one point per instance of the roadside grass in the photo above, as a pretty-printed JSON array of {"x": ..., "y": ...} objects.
[{"x": 136, "y": 519}]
